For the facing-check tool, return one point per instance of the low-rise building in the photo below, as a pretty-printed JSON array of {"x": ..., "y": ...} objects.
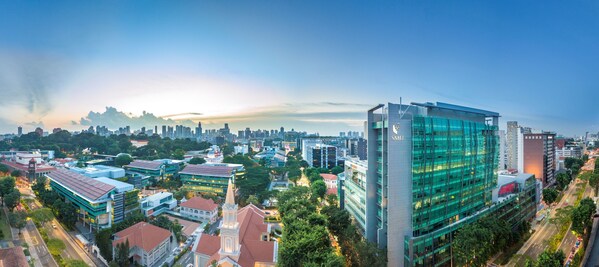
[
  {"x": 149, "y": 245},
  {"x": 30, "y": 165},
  {"x": 155, "y": 168},
  {"x": 199, "y": 209},
  {"x": 272, "y": 157},
  {"x": 329, "y": 179},
  {"x": 158, "y": 203},
  {"x": 210, "y": 178},
  {"x": 92, "y": 198},
  {"x": 13, "y": 257}
]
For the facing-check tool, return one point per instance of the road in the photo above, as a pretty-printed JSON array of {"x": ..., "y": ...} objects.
[
  {"x": 570, "y": 239},
  {"x": 37, "y": 247},
  {"x": 186, "y": 259},
  {"x": 539, "y": 241},
  {"x": 72, "y": 250}
]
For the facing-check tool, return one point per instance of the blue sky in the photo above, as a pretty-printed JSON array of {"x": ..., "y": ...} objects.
[{"x": 314, "y": 65}]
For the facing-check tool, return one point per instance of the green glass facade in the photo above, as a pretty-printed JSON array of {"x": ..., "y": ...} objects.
[
  {"x": 92, "y": 210},
  {"x": 208, "y": 184},
  {"x": 432, "y": 168}
]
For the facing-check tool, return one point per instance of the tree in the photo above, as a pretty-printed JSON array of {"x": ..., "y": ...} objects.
[
  {"x": 12, "y": 199},
  {"x": 563, "y": 179},
  {"x": 42, "y": 215},
  {"x": 253, "y": 200},
  {"x": 123, "y": 159},
  {"x": 319, "y": 189},
  {"x": 3, "y": 168},
  {"x": 551, "y": 259},
  {"x": 550, "y": 195},
  {"x": 471, "y": 245},
  {"x": 196, "y": 161},
  {"x": 582, "y": 215},
  {"x": 15, "y": 173},
  {"x": 337, "y": 170},
  {"x": 179, "y": 154},
  {"x": 7, "y": 184},
  {"x": 122, "y": 254},
  {"x": 17, "y": 219},
  {"x": 75, "y": 263},
  {"x": 55, "y": 246}
]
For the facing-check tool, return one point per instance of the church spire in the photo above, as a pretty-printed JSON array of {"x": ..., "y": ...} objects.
[{"x": 230, "y": 194}]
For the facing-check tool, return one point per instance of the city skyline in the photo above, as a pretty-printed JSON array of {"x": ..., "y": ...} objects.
[{"x": 315, "y": 68}]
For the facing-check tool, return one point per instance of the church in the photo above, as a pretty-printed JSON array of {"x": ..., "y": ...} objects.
[{"x": 244, "y": 239}]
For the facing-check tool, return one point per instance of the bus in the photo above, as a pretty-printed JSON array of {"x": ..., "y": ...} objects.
[{"x": 82, "y": 241}]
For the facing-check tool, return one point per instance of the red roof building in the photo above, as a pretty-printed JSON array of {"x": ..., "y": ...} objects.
[
  {"x": 243, "y": 241},
  {"x": 13, "y": 257},
  {"x": 148, "y": 244},
  {"x": 199, "y": 209}
]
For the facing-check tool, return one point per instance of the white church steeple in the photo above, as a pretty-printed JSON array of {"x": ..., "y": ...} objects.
[{"x": 229, "y": 228}]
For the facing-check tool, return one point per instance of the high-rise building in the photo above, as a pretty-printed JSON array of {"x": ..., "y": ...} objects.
[
  {"x": 502, "y": 150},
  {"x": 156, "y": 129},
  {"x": 511, "y": 148},
  {"x": 539, "y": 156},
  {"x": 431, "y": 169},
  {"x": 19, "y": 131},
  {"x": 164, "y": 133}
]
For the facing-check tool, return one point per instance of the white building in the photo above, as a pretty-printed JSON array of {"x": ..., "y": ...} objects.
[
  {"x": 149, "y": 245},
  {"x": 96, "y": 171},
  {"x": 199, "y": 209},
  {"x": 243, "y": 149},
  {"x": 307, "y": 143},
  {"x": 158, "y": 203}
]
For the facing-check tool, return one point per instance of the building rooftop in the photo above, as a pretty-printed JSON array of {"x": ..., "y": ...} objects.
[
  {"x": 120, "y": 186},
  {"x": 157, "y": 196},
  {"x": 143, "y": 235},
  {"x": 442, "y": 105},
  {"x": 25, "y": 168},
  {"x": 83, "y": 185},
  {"x": 145, "y": 164},
  {"x": 189, "y": 227},
  {"x": 200, "y": 203},
  {"x": 13, "y": 257},
  {"x": 328, "y": 177},
  {"x": 253, "y": 249},
  {"x": 207, "y": 170}
]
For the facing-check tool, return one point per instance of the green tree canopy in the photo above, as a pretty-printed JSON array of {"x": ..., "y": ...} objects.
[
  {"x": 319, "y": 189},
  {"x": 550, "y": 195},
  {"x": 196, "y": 161},
  {"x": 12, "y": 199},
  {"x": 123, "y": 159}
]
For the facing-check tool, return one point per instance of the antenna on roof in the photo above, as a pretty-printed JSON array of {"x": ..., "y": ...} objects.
[{"x": 401, "y": 113}]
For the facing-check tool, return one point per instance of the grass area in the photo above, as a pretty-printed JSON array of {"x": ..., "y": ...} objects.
[
  {"x": 557, "y": 238},
  {"x": 4, "y": 227}
]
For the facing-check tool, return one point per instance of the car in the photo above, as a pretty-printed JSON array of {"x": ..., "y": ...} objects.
[
  {"x": 54, "y": 225},
  {"x": 577, "y": 243},
  {"x": 190, "y": 265}
]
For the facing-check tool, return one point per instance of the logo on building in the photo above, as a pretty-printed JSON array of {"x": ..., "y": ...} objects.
[{"x": 396, "y": 136}]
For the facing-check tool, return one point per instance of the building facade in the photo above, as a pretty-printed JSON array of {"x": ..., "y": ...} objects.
[
  {"x": 155, "y": 168},
  {"x": 149, "y": 245},
  {"x": 91, "y": 198},
  {"x": 199, "y": 209},
  {"x": 322, "y": 156},
  {"x": 158, "y": 203},
  {"x": 430, "y": 166},
  {"x": 210, "y": 178},
  {"x": 354, "y": 195},
  {"x": 539, "y": 156},
  {"x": 511, "y": 147}
]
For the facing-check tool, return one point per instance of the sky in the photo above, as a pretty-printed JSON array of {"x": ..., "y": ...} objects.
[{"x": 316, "y": 66}]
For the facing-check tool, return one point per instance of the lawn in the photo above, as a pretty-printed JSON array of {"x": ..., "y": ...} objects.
[{"x": 4, "y": 227}]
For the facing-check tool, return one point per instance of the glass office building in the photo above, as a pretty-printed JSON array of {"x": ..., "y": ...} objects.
[{"x": 431, "y": 168}]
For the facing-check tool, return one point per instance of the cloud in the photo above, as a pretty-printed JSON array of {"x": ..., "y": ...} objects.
[
  {"x": 113, "y": 119},
  {"x": 319, "y": 115},
  {"x": 28, "y": 82}
]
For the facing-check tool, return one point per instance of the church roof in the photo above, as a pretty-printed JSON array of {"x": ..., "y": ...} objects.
[{"x": 251, "y": 229}]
